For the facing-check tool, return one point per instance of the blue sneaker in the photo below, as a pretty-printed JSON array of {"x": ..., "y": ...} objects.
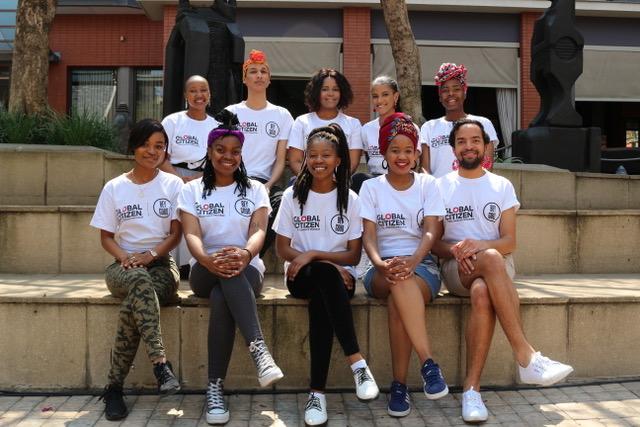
[
  {"x": 399, "y": 401},
  {"x": 434, "y": 385}
]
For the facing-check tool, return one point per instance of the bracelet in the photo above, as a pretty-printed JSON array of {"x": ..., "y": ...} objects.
[{"x": 250, "y": 254}]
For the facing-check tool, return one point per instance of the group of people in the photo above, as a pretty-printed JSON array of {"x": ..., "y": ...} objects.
[{"x": 428, "y": 209}]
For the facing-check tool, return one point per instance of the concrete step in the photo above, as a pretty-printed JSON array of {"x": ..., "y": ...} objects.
[
  {"x": 65, "y": 175},
  {"x": 57, "y": 331},
  {"x": 58, "y": 239}
]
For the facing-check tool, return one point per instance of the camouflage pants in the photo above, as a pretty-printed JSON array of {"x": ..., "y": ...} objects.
[{"x": 142, "y": 290}]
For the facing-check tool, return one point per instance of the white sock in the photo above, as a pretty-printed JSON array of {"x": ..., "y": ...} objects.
[
  {"x": 319, "y": 393},
  {"x": 359, "y": 364}
]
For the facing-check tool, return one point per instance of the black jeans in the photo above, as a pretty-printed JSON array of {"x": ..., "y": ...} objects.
[
  {"x": 329, "y": 312},
  {"x": 275, "y": 197}
]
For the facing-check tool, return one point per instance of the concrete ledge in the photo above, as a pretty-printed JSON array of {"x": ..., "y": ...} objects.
[
  {"x": 70, "y": 321},
  {"x": 55, "y": 175},
  {"x": 58, "y": 239}
]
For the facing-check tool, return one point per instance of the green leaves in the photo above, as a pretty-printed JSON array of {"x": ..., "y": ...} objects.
[{"x": 57, "y": 129}]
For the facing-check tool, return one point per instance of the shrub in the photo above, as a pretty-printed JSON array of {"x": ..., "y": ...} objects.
[
  {"x": 57, "y": 129},
  {"x": 82, "y": 129}
]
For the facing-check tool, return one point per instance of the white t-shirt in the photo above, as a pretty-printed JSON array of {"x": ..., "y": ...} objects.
[
  {"x": 188, "y": 138},
  {"x": 304, "y": 124},
  {"x": 398, "y": 215},
  {"x": 320, "y": 227},
  {"x": 139, "y": 215},
  {"x": 435, "y": 134},
  {"x": 224, "y": 215},
  {"x": 370, "y": 137},
  {"x": 474, "y": 206},
  {"x": 262, "y": 130}
]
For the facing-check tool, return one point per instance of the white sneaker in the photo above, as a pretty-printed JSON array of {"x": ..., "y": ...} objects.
[
  {"x": 268, "y": 371},
  {"x": 543, "y": 371},
  {"x": 217, "y": 411},
  {"x": 473, "y": 409},
  {"x": 315, "y": 411},
  {"x": 366, "y": 387}
]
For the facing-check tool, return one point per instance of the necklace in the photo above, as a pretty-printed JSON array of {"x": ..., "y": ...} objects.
[{"x": 140, "y": 184}]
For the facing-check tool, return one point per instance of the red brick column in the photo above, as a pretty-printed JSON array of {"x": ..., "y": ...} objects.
[
  {"x": 169, "y": 20},
  {"x": 529, "y": 97},
  {"x": 357, "y": 58}
]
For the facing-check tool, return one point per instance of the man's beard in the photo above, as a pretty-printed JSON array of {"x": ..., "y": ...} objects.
[{"x": 470, "y": 164}]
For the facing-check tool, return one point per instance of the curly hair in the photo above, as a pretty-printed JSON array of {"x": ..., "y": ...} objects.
[{"x": 314, "y": 87}]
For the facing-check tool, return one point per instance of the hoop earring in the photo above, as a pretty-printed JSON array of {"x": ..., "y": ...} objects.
[
  {"x": 335, "y": 171},
  {"x": 385, "y": 164}
]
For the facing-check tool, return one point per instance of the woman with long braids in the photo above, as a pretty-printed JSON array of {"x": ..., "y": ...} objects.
[
  {"x": 401, "y": 214},
  {"x": 318, "y": 235},
  {"x": 225, "y": 215},
  {"x": 385, "y": 98},
  {"x": 138, "y": 223},
  {"x": 326, "y": 95}
]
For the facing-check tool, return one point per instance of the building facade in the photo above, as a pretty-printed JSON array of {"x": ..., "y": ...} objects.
[{"x": 112, "y": 52}]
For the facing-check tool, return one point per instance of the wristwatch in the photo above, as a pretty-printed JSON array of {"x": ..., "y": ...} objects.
[{"x": 153, "y": 253}]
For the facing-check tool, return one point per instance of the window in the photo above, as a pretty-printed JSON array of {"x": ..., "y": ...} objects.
[
  {"x": 4, "y": 87},
  {"x": 632, "y": 133},
  {"x": 93, "y": 92},
  {"x": 148, "y": 101}
]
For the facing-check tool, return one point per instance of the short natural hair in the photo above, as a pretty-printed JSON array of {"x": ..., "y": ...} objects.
[
  {"x": 459, "y": 123},
  {"x": 142, "y": 131}
]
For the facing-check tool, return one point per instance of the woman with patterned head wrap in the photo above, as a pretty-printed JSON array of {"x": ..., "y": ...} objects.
[
  {"x": 400, "y": 212},
  {"x": 437, "y": 155}
]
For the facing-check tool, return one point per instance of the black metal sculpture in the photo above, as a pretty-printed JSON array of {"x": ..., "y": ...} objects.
[
  {"x": 205, "y": 41},
  {"x": 555, "y": 136}
]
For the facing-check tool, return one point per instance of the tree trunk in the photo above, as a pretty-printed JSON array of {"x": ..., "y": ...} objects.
[
  {"x": 30, "y": 68},
  {"x": 406, "y": 57}
]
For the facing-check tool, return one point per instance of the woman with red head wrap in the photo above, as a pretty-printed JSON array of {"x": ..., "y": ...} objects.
[{"x": 400, "y": 212}]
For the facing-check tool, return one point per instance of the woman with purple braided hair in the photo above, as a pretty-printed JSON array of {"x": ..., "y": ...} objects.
[{"x": 224, "y": 216}]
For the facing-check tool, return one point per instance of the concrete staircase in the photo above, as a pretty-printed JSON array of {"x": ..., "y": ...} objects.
[{"x": 579, "y": 280}]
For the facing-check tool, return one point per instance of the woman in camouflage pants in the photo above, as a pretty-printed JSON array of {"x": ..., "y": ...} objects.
[{"x": 136, "y": 215}]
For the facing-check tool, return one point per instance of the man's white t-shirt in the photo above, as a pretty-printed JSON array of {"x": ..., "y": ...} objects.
[
  {"x": 370, "y": 137},
  {"x": 188, "y": 138},
  {"x": 139, "y": 215},
  {"x": 474, "y": 206},
  {"x": 320, "y": 226},
  {"x": 304, "y": 124},
  {"x": 262, "y": 130},
  {"x": 399, "y": 215},
  {"x": 224, "y": 215},
  {"x": 435, "y": 134}
]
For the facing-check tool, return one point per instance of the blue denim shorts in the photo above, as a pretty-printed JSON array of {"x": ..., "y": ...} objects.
[{"x": 427, "y": 270}]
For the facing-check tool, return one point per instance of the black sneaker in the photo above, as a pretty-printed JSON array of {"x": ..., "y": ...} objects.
[
  {"x": 167, "y": 381},
  {"x": 115, "y": 409}
]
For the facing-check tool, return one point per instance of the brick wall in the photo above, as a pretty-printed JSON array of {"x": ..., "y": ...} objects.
[
  {"x": 357, "y": 59},
  {"x": 169, "y": 19},
  {"x": 95, "y": 41},
  {"x": 529, "y": 99}
]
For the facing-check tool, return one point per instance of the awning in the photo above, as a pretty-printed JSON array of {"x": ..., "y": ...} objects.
[
  {"x": 488, "y": 66},
  {"x": 609, "y": 75},
  {"x": 297, "y": 57}
]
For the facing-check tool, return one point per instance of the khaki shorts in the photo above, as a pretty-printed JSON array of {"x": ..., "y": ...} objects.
[{"x": 451, "y": 276}]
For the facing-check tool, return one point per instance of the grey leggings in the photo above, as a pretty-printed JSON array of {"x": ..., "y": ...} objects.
[{"x": 231, "y": 301}]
